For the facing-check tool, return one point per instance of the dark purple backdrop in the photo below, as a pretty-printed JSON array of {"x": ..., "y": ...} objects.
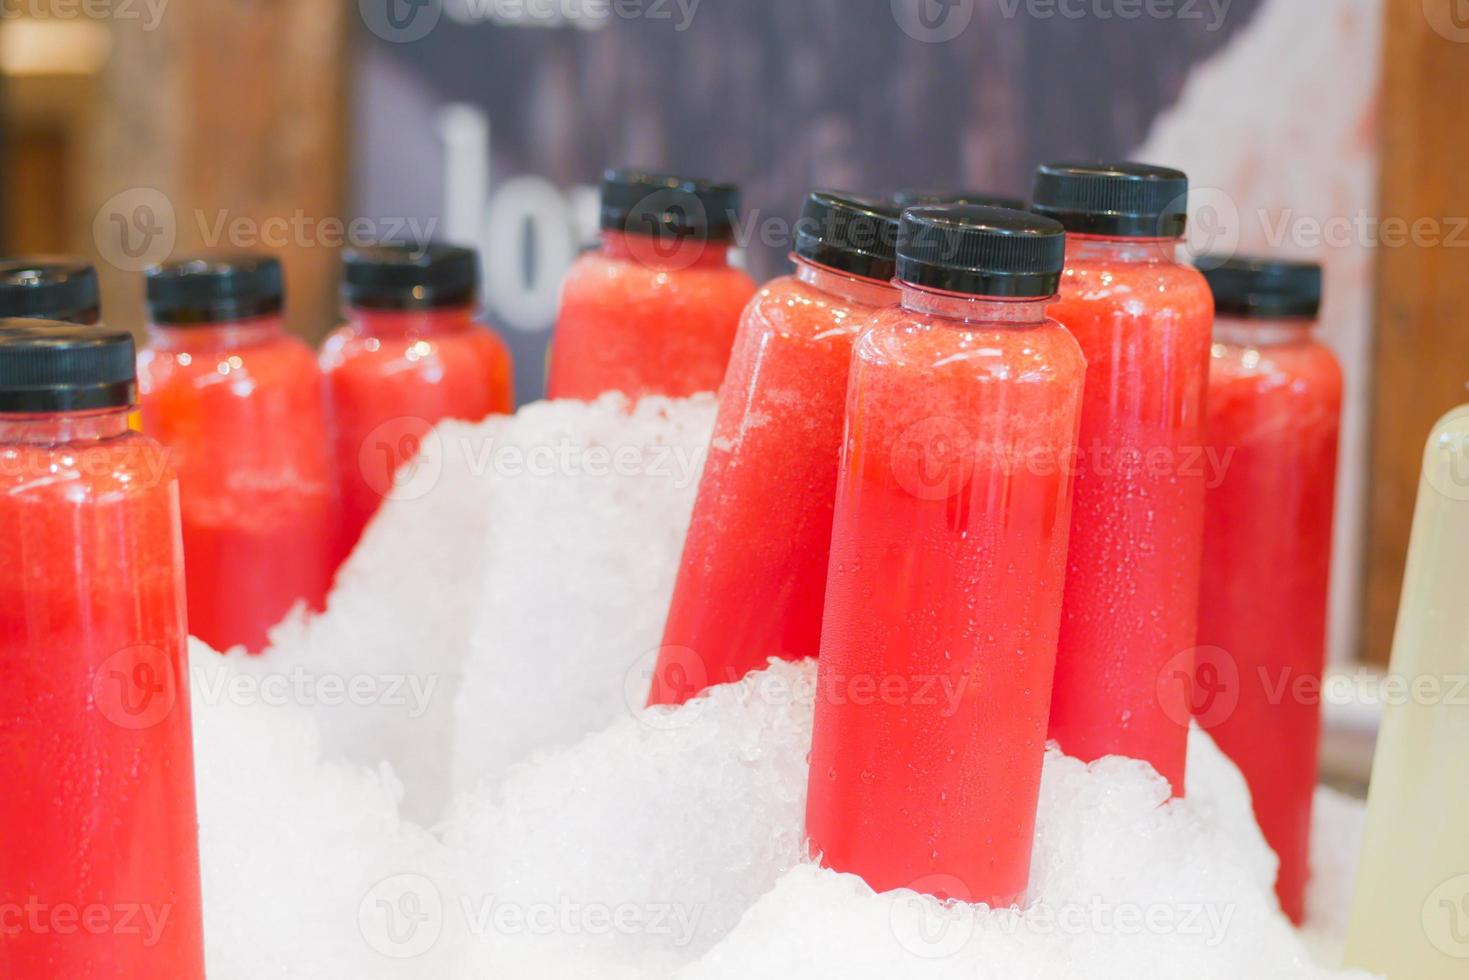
[{"x": 780, "y": 95}]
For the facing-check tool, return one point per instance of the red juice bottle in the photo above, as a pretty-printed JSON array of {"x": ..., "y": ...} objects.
[
  {"x": 49, "y": 288},
  {"x": 948, "y": 560},
  {"x": 1125, "y": 667},
  {"x": 1275, "y": 399},
  {"x": 654, "y": 309},
  {"x": 99, "y": 871},
  {"x": 410, "y": 356},
  {"x": 753, "y": 577},
  {"x": 237, "y": 400}
]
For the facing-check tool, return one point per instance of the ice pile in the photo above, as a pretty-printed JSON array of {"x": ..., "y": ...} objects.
[
  {"x": 582, "y": 509},
  {"x": 579, "y": 836}
]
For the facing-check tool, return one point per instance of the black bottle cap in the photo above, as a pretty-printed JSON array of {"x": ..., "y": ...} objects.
[
  {"x": 1263, "y": 289},
  {"x": 55, "y": 366},
  {"x": 1125, "y": 200},
  {"x": 665, "y": 206},
  {"x": 410, "y": 277},
  {"x": 981, "y": 251},
  {"x": 215, "y": 289},
  {"x": 921, "y": 198},
  {"x": 850, "y": 233},
  {"x": 49, "y": 287}
]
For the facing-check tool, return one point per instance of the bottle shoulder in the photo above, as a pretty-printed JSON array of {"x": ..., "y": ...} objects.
[
  {"x": 128, "y": 466},
  {"x": 282, "y": 360},
  {"x": 1137, "y": 288},
  {"x": 595, "y": 277},
  {"x": 1451, "y": 434},
  {"x": 1044, "y": 352},
  {"x": 797, "y": 309},
  {"x": 1305, "y": 363}
]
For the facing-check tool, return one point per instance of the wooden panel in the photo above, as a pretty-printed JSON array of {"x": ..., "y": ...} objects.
[
  {"x": 48, "y": 77},
  {"x": 235, "y": 110},
  {"x": 34, "y": 210},
  {"x": 1422, "y": 307}
]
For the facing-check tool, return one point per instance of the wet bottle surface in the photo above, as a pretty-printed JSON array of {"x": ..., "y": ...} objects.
[
  {"x": 96, "y": 756},
  {"x": 410, "y": 356},
  {"x": 753, "y": 576},
  {"x": 947, "y": 565},
  {"x": 1275, "y": 399},
  {"x": 1125, "y": 668},
  {"x": 655, "y": 308},
  {"x": 238, "y": 402}
]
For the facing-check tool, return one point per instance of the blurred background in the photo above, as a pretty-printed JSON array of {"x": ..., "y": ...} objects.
[{"x": 1332, "y": 129}]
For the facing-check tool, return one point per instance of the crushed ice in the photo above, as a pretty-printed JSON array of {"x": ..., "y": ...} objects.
[{"x": 449, "y": 774}]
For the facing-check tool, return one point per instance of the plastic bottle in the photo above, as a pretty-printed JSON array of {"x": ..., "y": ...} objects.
[
  {"x": 1410, "y": 920},
  {"x": 1128, "y": 630},
  {"x": 1275, "y": 399},
  {"x": 238, "y": 402},
  {"x": 753, "y": 576},
  {"x": 99, "y": 871},
  {"x": 654, "y": 308},
  {"x": 948, "y": 559},
  {"x": 410, "y": 356}
]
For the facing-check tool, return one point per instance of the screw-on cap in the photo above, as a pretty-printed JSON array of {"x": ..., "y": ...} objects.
[
  {"x": 214, "y": 289},
  {"x": 923, "y": 198},
  {"x": 981, "y": 251},
  {"x": 1263, "y": 289},
  {"x": 49, "y": 287},
  {"x": 54, "y": 366},
  {"x": 665, "y": 206},
  {"x": 850, "y": 233},
  {"x": 410, "y": 277},
  {"x": 1125, "y": 200}
]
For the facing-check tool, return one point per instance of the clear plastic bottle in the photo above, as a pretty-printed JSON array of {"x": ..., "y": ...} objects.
[
  {"x": 1132, "y": 591},
  {"x": 238, "y": 402},
  {"x": 1411, "y": 916},
  {"x": 96, "y": 754},
  {"x": 49, "y": 287},
  {"x": 948, "y": 559},
  {"x": 1275, "y": 400},
  {"x": 753, "y": 576},
  {"x": 654, "y": 309},
  {"x": 410, "y": 356}
]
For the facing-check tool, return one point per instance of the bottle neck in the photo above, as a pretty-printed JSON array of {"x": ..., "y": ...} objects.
[
  {"x": 962, "y": 308},
  {"x": 1242, "y": 332},
  {"x": 383, "y": 324},
  {"x": 656, "y": 253},
  {"x": 227, "y": 335},
  {"x": 59, "y": 428},
  {"x": 853, "y": 289},
  {"x": 1122, "y": 251}
]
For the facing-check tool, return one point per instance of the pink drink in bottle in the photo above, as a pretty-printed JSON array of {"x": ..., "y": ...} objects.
[
  {"x": 753, "y": 576},
  {"x": 99, "y": 870},
  {"x": 1125, "y": 668},
  {"x": 654, "y": 309},
  {"x": 948, "y": 560},
  {"x": 410, "y": 356},
  {"x": 1275, "y": 398},
  {"x": 237, "y": 400}
]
